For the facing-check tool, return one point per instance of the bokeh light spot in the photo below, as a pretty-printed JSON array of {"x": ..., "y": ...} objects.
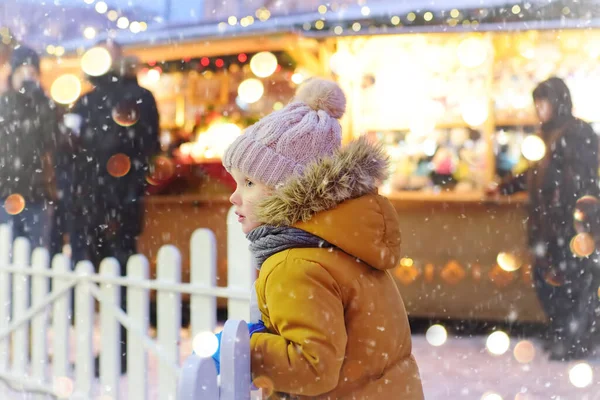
[
  {"x": 14, "y": 204},
  {"x": 581, "y": 375},
  {"x": 266, "y": 384},
  {"x": 508, "y": 262},
  {"x": 524, "y": 352},
  {"x": 96, "y": 61},
  {"x": 205, "y": 344},
  {"x": 583, "y": 245},
  {"x": 65, "y": 89},
  {"x": 498, "y": 343},
  {"x": 436, "y": 335},
  {"x": 126, "y": 113},
  {"x": 118, "y": 165}
]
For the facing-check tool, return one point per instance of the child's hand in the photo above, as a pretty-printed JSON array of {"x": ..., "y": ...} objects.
[
  {"x": 256, "y": 327},
  {"x": 252, "y": 328}
]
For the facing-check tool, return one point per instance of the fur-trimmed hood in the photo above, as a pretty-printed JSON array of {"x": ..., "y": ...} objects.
[{"x": 336, "y": 199}]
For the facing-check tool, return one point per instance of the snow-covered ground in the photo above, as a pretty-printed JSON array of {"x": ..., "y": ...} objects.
[{"x": 462, "y": 368}]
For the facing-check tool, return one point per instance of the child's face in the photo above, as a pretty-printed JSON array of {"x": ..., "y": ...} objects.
[{"x": 247, "y": 194}]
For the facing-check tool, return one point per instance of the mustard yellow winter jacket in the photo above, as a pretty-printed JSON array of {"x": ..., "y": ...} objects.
[{"x": 337, "y": 326}]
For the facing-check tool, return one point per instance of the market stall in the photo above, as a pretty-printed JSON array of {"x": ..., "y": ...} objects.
[{"x": 447, "y": 92}]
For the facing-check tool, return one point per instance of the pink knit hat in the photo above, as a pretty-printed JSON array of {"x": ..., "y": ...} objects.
[{"x": 284, "y": 142}]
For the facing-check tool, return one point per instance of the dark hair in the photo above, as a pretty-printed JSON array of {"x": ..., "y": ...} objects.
[{"x": 556, "y": 91}]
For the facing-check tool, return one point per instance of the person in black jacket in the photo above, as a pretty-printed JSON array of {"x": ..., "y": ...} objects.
[
  {"x": 117, "y": 123},
  {"x": 565, "y": 282},
  {"x": 29, "y": 130}
]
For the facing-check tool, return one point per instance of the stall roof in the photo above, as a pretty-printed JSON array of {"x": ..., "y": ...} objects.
[{"x": 491, "y": 15}]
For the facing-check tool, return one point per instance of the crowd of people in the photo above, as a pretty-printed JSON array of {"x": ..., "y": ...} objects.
[{"x": 76, "y": 175}]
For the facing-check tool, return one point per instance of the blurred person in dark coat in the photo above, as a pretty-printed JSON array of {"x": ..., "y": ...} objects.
[
  {"x": 564, "y": 278},
  {"x": 29, "y": 130},
  {"x": 117, "y": 123}
]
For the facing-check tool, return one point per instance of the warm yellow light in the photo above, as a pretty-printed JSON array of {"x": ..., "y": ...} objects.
[
  {"x": 135, "y": 27},
  {"x": 508, "y": 262},
  {"x": 101, "y": 7},
  {"x": 66, "y": 89},
  {"x": 112, "y": 15},
  {"x": 89, "y": 32},
  {"x": 343, "y": 63},
  {"x": 533, "y": 148},
  {"x": 472, "y": 52},
  {"x": 298, "y": 78},
  {"x": 263, "y": 64},
  {"x": 581, "y": 375},
  {"x": 205, "y": 344},
  {"x": 143, "y": 26},
  {"x": 395, "y": 20},
  {"x": 251, "y": 90},
  {"x": 428, "y": 16},
  {"x": 475, "y": 111},
  {"x": 319, "y": 24},
  {"x": 50, "y": 49},
  {"x": 232, "y": 20},
  {"x": 356, "y": 26},
  {"x": 583, "y": 245},
  {"x": 436, "y": 335},
  {"x": 123, "y": 23},
  {"x": 59, "y": 51},
  {"x": 338, "y": 30},
  {"x": 411, "y": 16},
  {"x": 454, "y": 13},
  {"x": 322, "y": 9},
  {"x": 96, "y": 61},
  {"x": 498, "y": 343},
  {"x": 524, "y": 352},
  {"x": 516, "y": 9},
  {"x": 365, "y": 11},
  {"x": 491, "y": 396}
]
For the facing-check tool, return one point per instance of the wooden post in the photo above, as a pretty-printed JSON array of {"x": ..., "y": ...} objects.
[
  {"x": 203, "y": 265},
  {"x": 39, "y": 323},
  {"x": 169, "y": 319},
  {"x": 20, "y": 344},
  {"x": 110, "y": 332},
  {"x": 138, "y": 300}
]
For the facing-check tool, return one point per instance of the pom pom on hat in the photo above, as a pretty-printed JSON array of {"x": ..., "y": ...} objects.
[{"x": 322, "y": 94}]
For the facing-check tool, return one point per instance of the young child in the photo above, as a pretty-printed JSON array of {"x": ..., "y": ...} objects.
[{"x": 324, "y": 241}]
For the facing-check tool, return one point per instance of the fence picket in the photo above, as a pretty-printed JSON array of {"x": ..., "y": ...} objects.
[
  {"x": 61, "y": 314},
  {"x": 235, "y": 361},
  {"x": 138, "y": 301},
  {"x": 20, "y": 344},
  {"x": 198, "y": 379},
  {"x": 110, "y": 332},
  {"x": 169, "y": 318},
  {"x": 39, "y": 323},
  {"x": 84, "y": 325},
  {"x": 241, "y": 271},
  {"x": 203, "y": 265},
  {"x": 5, "y": 290}
]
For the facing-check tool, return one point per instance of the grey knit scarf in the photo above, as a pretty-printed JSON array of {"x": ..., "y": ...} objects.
[{"x": 267, "y": 240}]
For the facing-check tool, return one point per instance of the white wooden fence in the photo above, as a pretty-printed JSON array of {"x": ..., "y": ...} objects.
[{"x": 29, "y": 310}]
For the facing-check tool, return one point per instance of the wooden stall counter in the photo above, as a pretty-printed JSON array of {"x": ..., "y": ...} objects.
[
  {"x": 452, "y": 247},
  {"x": 465, "y": 257}
]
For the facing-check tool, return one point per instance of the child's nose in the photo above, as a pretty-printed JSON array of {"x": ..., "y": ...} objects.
[{"x": 234, "y": 198}]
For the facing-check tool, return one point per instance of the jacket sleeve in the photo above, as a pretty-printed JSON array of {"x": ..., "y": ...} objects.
[
  {"x": 580, "y": 164},
  {"x": 514, "y": 184},
  {"x": 304, "y": 353}
]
